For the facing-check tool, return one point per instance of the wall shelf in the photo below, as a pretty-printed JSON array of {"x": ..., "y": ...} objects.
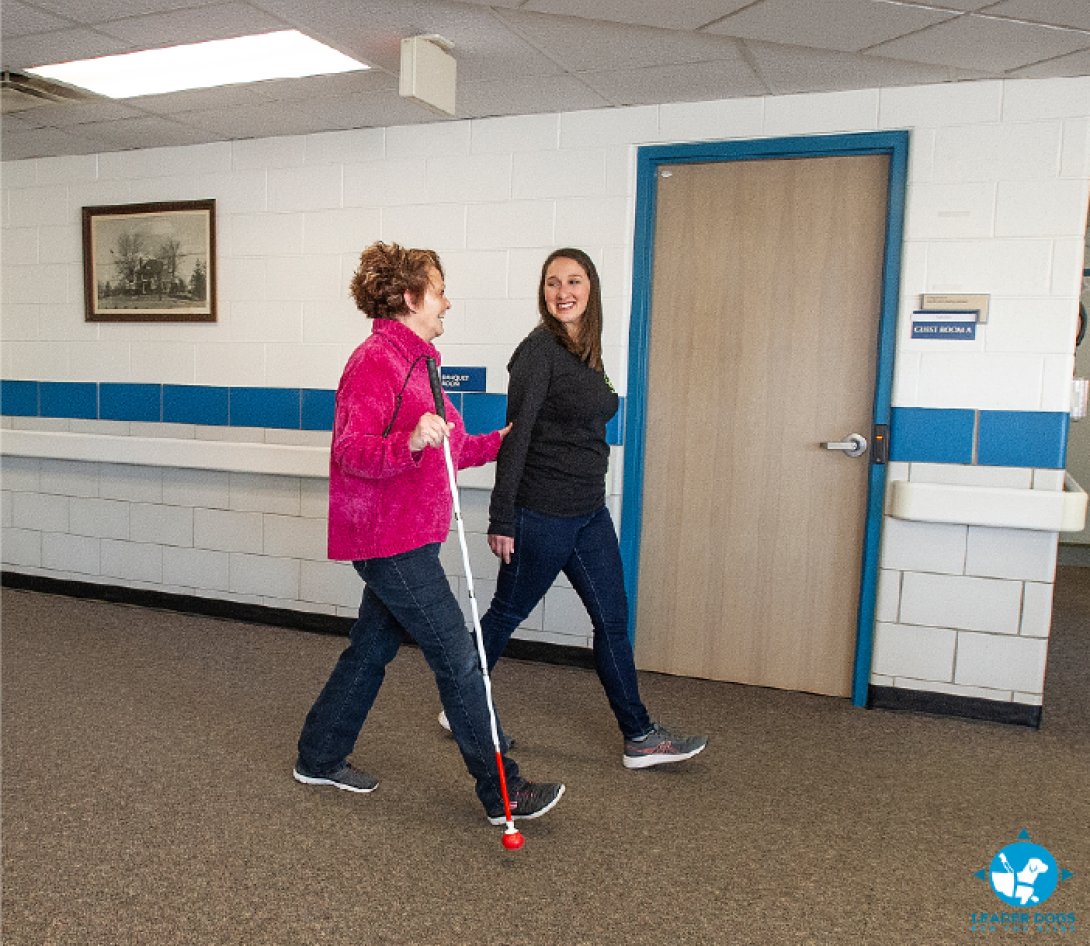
[
  {"x": 1000, "y": 508},
  {"x": 277, "y": 459}
]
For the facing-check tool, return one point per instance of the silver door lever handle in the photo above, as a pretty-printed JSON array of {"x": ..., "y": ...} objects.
[{"x": 854, "y": 446}]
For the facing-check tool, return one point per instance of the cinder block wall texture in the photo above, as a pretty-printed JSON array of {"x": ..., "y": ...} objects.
[{"x": 997, "y": 203}]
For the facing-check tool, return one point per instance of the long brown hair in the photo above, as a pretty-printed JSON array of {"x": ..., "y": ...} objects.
[
  {"x": 386, "y": 273},
  {"x": 587, "y": 345}
]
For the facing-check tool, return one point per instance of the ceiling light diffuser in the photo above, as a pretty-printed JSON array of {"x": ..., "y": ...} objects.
[{"x": 287, "y": 54}]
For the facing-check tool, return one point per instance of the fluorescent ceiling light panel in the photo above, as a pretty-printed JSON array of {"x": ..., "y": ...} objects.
[{"x": 286, "y": 54}]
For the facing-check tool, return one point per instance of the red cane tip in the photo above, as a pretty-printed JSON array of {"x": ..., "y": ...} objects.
[{"x": 513, "y": 840}]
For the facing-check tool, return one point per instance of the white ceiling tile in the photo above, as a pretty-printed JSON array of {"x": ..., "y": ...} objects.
[
  {"x": 1076, "y": 64},
  {"x": 529, "y": 96},
  {"x": 19, "y": 20},
  {"x": 220, "y": 21},
  {"x": 788, "y": 69},
  {"x": 962, "y": 5},
  {"x": 26, "y": 120},
  {"x": 688, "y": 15},
  {"x": 316, "y": 88},
  {"x": 43, "y": 49},
  {"x": 371, "y": 30},
  {"x": 506, "y": 4},
  {"x": 529, "y": 56},
  {"x": 501, "y": 55},
  {"x": 148, "y": 132},
  {"x": 95, "y": 11},
  {"x": 847, "y": 25},
  {"x": 365, "y": 111},
  {"x": 483, "y": 46},
  {"x": 267, "y": 120},
  {"x": 106, "y": 110},
  {"x": 1074, "y": 13},
  {"x": 691, "y": 82},
  {"x": 196, "y": 100},
  {"x": 40, "y": 142},
  {"x": 980, "y": 43},
  {"x": 585, "y": 45}
]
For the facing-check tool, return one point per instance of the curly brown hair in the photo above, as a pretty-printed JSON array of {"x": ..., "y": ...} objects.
[{"x": 386, "y": 273}]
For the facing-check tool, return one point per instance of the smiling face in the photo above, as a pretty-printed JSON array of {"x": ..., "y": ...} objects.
[
  {"x": 425, "y": 315},
  {"x": 567, "y": 292}
]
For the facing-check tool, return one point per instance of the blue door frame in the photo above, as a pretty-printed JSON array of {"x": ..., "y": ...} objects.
[{"x": 892, "y": 143}]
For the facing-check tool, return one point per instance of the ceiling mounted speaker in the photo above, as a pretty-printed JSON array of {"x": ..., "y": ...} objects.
[{"x": 428, "y": 73}]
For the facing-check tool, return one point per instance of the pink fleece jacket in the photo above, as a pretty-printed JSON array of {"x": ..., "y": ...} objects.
[{"x": 384, "y": 499}]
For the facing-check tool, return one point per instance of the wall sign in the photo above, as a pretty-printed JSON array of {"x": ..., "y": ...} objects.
[
  {"x": 958, "y": 302},
  {"x": 943, "y": 325},
  {"x": 463, "y": 379}
]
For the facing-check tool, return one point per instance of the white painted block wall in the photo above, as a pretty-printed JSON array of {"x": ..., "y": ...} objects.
[
  {"x": 964, "y": 610},
  {"x": 997, "y": 203}
]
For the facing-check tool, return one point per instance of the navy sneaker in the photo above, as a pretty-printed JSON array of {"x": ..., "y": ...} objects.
[
  {"x": 659, "y": 747},
  {"x": 347, "y": 777},
  {"x": 530, "y": 800}
]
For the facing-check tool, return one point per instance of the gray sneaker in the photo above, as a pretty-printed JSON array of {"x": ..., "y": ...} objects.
[
  {"x": 659, "y": 747},
  {"x": 347, "y": 777},
  {"x": 530, "y": 800}
]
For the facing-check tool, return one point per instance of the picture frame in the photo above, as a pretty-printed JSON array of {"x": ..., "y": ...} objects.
[{"x": 150, "y": 262}]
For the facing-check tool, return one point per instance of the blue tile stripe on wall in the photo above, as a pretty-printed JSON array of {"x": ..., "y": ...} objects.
[
  {"x": 917, "y": 434},
  {"x": 280, "y": 408},
  {"x": 130, "y": 402},
  {"x": 68, "y": 399},
  {"x": 1022, "y": 438},
  {"x": 19, "y": 399},
  {"x": 928, "y": 435},
  {"x": 185, "y": 404},
  {"x": 1036, "y": 439}
]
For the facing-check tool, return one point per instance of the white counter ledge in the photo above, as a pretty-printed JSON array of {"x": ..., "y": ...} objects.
[
  {"x": 236, "y": 457},
  {"x": 1001, "y": 508}
]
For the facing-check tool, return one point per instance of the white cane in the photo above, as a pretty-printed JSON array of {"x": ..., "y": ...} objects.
[{"x": 512, "y": 838}]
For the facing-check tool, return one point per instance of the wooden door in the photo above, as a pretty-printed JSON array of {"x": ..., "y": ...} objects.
[{"x": 763, "y": 343}]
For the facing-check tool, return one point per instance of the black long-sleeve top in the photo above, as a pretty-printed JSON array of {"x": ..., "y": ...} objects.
[{"x": 554, "y": 460}]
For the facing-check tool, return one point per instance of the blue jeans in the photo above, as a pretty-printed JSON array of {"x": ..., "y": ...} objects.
[
  {"x": 585, "y": 549},
  {"x": 407, "y": 591}
]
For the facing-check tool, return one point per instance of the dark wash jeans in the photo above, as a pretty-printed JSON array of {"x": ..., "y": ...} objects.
[
  {"x": 585, "y": 549},
  {"x": 407, "y": 591}
]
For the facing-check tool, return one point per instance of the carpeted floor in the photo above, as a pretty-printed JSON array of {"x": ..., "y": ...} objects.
[{"x": 148, "y": 800}]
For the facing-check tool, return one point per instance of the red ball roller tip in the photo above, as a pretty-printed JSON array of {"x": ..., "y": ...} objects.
[{"x": 513, "y": 840}]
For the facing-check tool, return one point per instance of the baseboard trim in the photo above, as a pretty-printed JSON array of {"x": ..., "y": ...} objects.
[
  {"x": 945, "y": 704},
  {"x": 308, "y": 621},
  {"x": 184, "y": 604}
]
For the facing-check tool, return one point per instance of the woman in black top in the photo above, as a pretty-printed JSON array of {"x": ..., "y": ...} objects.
[{"x": 548, "y": 513}]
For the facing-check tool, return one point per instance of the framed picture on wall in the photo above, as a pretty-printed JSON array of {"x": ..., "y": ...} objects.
[{"x": 150, "y": 262}]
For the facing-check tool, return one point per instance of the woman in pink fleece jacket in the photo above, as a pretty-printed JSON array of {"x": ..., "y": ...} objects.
[{"x": 389, "y": 511}]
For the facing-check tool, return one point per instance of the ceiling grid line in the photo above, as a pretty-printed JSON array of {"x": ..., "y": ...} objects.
[{"x": 522, "y": 57}]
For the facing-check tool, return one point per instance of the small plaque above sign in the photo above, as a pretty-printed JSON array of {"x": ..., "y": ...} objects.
[
  {"x": 941, "y": 325},
  {"x": 463, "y": 379},
  {"x": 958, "y": 302}
]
